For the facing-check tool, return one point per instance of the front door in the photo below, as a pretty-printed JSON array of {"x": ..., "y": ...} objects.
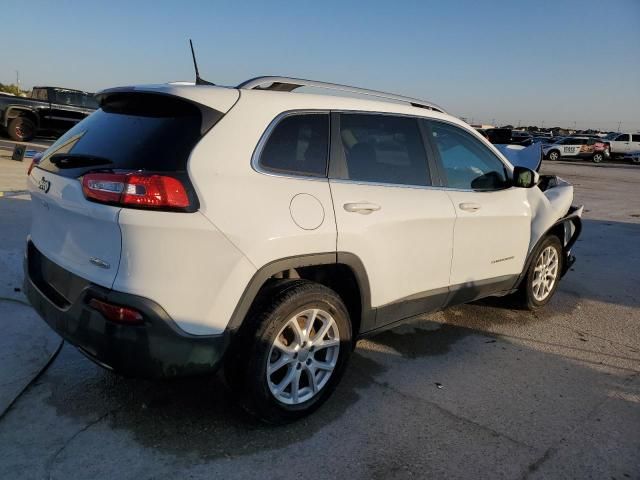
[{"x": 493, "y": 219}]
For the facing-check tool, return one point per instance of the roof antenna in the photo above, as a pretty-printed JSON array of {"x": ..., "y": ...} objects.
[{"x": 199, "y": 81}]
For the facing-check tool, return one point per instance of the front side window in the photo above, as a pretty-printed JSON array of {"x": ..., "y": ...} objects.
[
  {"x": 468, "y": 164},
  {"x": 298, "y": 145},
  {"x": 383, "y": 149},
  {"x": 623, "y": 138}
]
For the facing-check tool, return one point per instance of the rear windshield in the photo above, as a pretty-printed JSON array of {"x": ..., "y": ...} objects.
[{"x": 147, "y": 132}]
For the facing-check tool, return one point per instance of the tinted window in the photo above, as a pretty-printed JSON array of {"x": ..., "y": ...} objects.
[
  {"x": 623, "y": 138},
  {"x": 299, "y": 144},
  {"x": 468, "y": 164},
  {"x": 72, "y": 97},
  {"x": 635, "y": 138},
  {"x": 39, "y": 94},
  {"x": 132, "y": 132},
  {"x": 384, "y": 149}
]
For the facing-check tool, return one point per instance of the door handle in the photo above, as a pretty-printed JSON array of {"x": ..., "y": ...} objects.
[
  {"x": 469, "y": 207},
  {"x": 364, "y": 208}
]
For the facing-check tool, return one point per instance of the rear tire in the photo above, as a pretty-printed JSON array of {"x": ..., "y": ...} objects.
[
  {"x": 554, "y": 155},
  {"x": 291, "y": 351},
  {"x": 597, "y": 157},
  {"x": 543, "y": 275},
  {"x": 21, "y": 129}
]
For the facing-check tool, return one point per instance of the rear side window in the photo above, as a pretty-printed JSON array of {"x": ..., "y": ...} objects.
[
  {"x": 298, "y": 145},
  {"x": 468, "y": 164},
  {"x": 383, "y": 149},
  {"x": 635, "y": 138},
  {"x": 130, "y": 132}
]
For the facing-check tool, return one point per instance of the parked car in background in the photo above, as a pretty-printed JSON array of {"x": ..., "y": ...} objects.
[
  {"x": 633, "y": 157},
  {"x": 184, "y": 226},
  {"x": 543, "y": 139},
  {"x": 49, "y": 110},
  {"x": 507, "y": 136},
  {"x": 577, "y": 147},
  {"x": 624, "y": 143},
  {"x": 521, "y": 137}
]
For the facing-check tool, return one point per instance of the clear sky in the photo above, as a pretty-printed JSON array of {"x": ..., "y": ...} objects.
[{"x": 513, "y": 61}]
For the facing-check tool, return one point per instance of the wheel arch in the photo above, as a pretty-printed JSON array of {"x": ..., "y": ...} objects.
[
  {"x": 554, "y": 150},
  {"x": 567, "y": 229},
  {"x": 342, "y": 272},
  {"x": 18, "y": 111}
]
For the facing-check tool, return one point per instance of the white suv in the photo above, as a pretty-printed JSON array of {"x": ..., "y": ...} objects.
[{"x": 181, "y": 226}]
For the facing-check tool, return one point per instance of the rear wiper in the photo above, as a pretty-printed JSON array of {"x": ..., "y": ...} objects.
[{"x": 76, "y": 160}]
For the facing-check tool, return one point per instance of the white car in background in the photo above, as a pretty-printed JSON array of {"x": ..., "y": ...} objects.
[
  {"x": 577, "y": 147},
  {"x": 183, "y": 227},
  {"x": 624, "y": 143}
]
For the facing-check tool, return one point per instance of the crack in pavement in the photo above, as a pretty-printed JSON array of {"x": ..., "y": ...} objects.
[
  {"x": 553, "y": 449},
  {"x": 51, "y": 462},
  {"x": 450, "y": 414},
  {"x": 577, "y": 349}
]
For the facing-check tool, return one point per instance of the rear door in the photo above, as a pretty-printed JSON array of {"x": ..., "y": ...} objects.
[
  {"x": 141, "y": 132},
  {"x": 493, "y": 219},
  {"x": 388, "y": 214}
]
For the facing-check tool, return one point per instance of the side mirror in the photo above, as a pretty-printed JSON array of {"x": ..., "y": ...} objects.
[{"x": 524, "y": 177}]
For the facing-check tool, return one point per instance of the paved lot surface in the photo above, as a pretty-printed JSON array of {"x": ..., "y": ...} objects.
[{"x": 478, "y": 391}]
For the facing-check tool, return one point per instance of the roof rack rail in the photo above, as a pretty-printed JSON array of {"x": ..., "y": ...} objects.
[{"x": 287, "y": 84}]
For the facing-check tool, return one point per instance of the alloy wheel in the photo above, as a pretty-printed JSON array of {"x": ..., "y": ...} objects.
[
  {"x": 545, "y": 273},
  {"x": 303, "y": 356}
]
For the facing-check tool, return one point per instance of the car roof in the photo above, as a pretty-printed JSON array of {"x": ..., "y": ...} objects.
[{"x": 353, "y": 98}]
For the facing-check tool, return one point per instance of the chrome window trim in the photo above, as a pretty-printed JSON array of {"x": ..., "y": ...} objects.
[
  {"x": 420, "y": 187},
  {"x": 255, "y": 157}
]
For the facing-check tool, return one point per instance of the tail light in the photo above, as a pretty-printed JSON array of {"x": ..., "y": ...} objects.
[
  {"x": 117, "y": 313},
  {"x": 136, "y": 190}
]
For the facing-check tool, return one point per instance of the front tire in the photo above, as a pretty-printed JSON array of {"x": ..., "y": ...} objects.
[
  {"x": 554, "y": 155},
  {"x": 291, "y": 352},
  {"x": 21, "y": 129},
  {"x": 597, "y": 157},
  {"x": 543, "y": 275}
]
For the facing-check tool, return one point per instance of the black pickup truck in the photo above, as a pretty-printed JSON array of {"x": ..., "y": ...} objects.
[{"x": 48, "y": 110}]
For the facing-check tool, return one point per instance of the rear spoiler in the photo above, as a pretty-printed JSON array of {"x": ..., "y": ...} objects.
[{"x": 529, "y": 157}]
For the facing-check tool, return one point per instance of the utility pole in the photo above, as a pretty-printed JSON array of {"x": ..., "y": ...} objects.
[
  {"x": 619, "y": 123},
  {"x": 18, "y": 79}
]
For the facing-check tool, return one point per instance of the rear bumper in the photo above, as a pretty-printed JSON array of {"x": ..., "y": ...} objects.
[{"x": 157, "y": 348}]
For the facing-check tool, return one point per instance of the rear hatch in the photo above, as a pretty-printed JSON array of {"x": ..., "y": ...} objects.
[{"x": 136, "y": 132}]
